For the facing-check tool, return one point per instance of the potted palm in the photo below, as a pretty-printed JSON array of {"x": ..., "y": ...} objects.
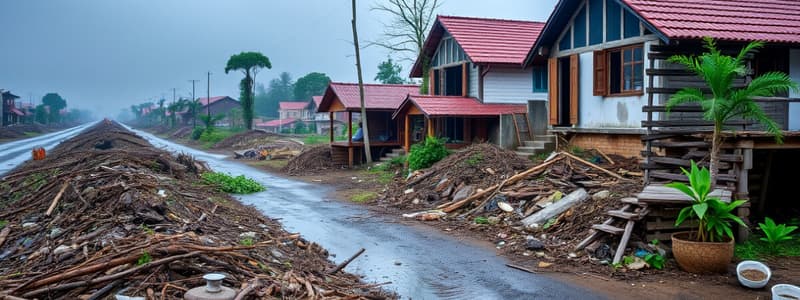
[
  {"x": 709, "y": 249},
  {"x": 727, "y": 103}
]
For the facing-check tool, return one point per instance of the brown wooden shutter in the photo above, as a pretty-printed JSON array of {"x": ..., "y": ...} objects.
[
  {"x": 464, "y": 80},
  {"x": 431, "y": 82},
  {"x": 573, "y": 89},
  {"x": 552, "y": 81},
  {"x": 600, "y": 74}
]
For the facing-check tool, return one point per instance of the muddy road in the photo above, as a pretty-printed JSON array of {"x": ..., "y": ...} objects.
[{"x": 420, "y": 263}]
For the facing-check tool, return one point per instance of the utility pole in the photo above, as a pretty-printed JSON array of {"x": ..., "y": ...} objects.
[
  {"x": 194, "y": 105},
  {"x": 208, "y": 95},
  {"x": 363, "y": 121}
]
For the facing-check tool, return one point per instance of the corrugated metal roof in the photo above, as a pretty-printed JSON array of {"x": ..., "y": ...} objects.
[
  {"x": 485, "y": 41},
  {"x": 440, "y": 106},
  {"x": 376, "y": 96},
  {"x": 293, "y": 105},
  {"x": 775, "y": 21}
]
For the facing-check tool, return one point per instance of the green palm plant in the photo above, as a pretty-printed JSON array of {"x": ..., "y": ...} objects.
[
  {"x": 726, "y": 102},
  {"x": 714, "y": 216}
]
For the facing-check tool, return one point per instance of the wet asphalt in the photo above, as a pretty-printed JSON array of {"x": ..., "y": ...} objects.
[{"x": 420, "y": 263}]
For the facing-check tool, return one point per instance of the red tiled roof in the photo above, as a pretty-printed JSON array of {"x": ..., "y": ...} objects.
[
  {"x": 738, "y": 20},
  {"x": 376, "y": 96},
  {"x": 440, "y": 106},
  {"x": 204, "y": 101},
  {"x": 317, "y": 100},
  {"x": 17, "y": 112},
  {"x": 276, "y": 123},
  {"x": 293, "y": 105},
  {"x": 485, "y": 41}
]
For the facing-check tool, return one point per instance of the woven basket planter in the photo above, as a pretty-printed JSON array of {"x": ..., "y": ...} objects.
[{"x": 699, "y": 257}]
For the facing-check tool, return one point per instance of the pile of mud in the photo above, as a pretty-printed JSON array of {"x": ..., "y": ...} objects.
[
  {"x": 249, "y": 139},
  {"x": 311, "y": 161},
  {"x": 107, "y": 214}
]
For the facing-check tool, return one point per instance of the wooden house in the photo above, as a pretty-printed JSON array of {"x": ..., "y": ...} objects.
[
  {"x": 479, "y": 62},
  {"x": 322, "y": 120},
  {"x": 609, "y": 80},
  {"x": 294, "y": 110},
  {"x": 10, "y": 113},
  {"x": 218, "y": 105},
  {"x": 380, "y": 101}
]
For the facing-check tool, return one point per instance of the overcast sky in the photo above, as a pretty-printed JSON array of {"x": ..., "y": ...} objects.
[{"x": 106, "y": 55}]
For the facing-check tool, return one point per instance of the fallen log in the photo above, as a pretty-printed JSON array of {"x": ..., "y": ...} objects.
[
  {"x": 557, "y": 208},
  {"x": 583, "y": 161}
]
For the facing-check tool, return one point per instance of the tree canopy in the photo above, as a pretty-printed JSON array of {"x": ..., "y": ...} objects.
[
  {"x": 248, "y": 63},
  {"x": 389, "y": 72},
  {"x": 312, "y": 84},
  {"x": 56, "y": 104},
  {"x": 279, "y": 89}
]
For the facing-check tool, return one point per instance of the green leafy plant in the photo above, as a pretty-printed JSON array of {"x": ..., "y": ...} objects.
[
  {"x": 197, "y": 132},
  {"x": 714, "y": 216},
  {"x": 247, "y": 241},
  {"x": 3, "y": 223},
  {"x": 726, "y": 102},
  {"x": 655, "y": 260},
  {"x": 364, "y": 197},
  {"x": 474, "y": 159},
  {"x": 481, "y": 220},
  {"x": 424, "y": 155},
  {"x": 775, "y": 233},
  {"x": 147, "y": 229},
  {"x": 231, "y": 184},
  {"x": 550, "y": 222},
  {"x": 144, "y": 258}
]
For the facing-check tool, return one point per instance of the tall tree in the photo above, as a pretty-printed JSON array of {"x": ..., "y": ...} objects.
[
  {"x": 249, "y": 63},
  {"x": 406, "y": 33},
  {"x": 56, "y": 104},
  {"x": 280, "y": 89},
  {"x": 312, "y": 84},
  {"x": 364, "y": 127},
  {"x": 389, "y": 72},
  {"x": 726, "y": 102}
]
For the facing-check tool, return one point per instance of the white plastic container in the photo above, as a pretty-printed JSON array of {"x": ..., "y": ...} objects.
[
  {"x": 780, "y": 291},
  {"x": 753, "y": 265}
]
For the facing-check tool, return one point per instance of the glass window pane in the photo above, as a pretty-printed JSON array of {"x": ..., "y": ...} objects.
[
  {"x": 627, "y": 55},
  {"x": 638, "y": 54},
  {"x": 595, "y": 22},
  {"x": 579, "y": 29},
  {"x": 626, "y": 77},
  {"x": 613, "y": 20},
  {"x": 638, "y": 79},
  {"x": 566, "y": 41},
  {"x": 631, "y": 25}
]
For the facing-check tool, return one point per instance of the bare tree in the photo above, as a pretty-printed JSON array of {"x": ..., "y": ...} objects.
[
  {"x": 406, "y": 33},
  {"x": 364, "y": 127}
]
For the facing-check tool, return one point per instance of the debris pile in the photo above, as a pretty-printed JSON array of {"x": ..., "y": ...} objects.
[
  {"x": 182, "y": 133},
  {"x": 546, "y": 209},
  {"x": 311, "y": 161},
  {"x": 107, "y": 214},
  {"x": 21, "y": 130},
  {"x": 251, "y": 139}
]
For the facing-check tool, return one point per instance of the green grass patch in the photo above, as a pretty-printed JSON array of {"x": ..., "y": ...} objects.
[
  {"x": 230, "y": 184},
  {"x": 3, "y": 223},
  {"x": 247, "y": 242},
  {"x": 29, "y": 134},
  {"x": 364, "y": 197},
  {"x": 474, "y": 159},
  {"x": 209, "y": 138},
  {"x": 144, "y": 258},
  {"x": 758, "y": 249},
  {"x": 316, "y": 139}
]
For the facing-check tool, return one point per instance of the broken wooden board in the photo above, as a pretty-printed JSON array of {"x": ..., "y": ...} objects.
[{"x": 556, "y": 208}]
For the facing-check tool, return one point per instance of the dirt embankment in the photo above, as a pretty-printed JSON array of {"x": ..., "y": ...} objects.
[{"x": 106, "y": 213}]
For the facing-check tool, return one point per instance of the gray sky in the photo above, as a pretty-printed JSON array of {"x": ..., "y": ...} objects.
[{"x": 106, "y": 55}]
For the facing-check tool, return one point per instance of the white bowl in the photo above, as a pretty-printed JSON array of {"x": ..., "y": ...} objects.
[
  {"x": 787, "y": 290},
  {"x": 752, "y": 265}
]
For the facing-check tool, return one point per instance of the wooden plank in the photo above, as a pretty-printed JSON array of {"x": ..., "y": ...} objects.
[
  {"x": 623, "y": 242},
  {"x": 664, "y": 195},
  {"x": 682, "y": 108},
  {"x": 553, "y": 90},
  {"x": 669, "y": 72},
  {"x": 669, "y": 224},
  {"x": 687, "y": 144},
  {"x": 682, "y": 162},
  {"x": 624, "y": 215},
  {"x": 608, "y": 228},
  {"x": 516, "y": 128},
  {"x": 690, "y": 123},
  {"x": 574, "y": 80},
  {"x": 733, "y": 158},
  {"x": 593, "y": 236}
]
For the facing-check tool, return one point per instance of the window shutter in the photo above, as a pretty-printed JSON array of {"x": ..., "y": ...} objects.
[
  {"x": 600, "y": 74},
  {"x": 552, "y": 71},
  {"x": 573, "y": 89},
  {"x": 464, "y": 79}
]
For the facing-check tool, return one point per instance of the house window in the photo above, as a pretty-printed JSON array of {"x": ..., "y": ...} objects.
[
  {"x": 619, "y": 71},
  {"x": 454, "y": 129},
  {"x": 540, "y": 79}
]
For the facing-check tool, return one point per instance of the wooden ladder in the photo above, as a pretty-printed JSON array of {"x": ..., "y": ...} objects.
[
  {"x": 629, "y": 213},
  {"x": 522, "y": 127}
]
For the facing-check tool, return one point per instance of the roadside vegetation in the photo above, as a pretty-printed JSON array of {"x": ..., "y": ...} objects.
[{"x": 232, "y": 184}]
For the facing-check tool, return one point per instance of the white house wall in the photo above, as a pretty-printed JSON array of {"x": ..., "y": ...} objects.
[
  {"x": 609, "y": 112},
  {"x": 509, "y": 85},
  {"x": 794, "y": 73}
]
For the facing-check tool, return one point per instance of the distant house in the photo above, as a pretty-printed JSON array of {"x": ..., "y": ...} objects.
[
  {"x": 10, "y": 113},
  {"x": 479, "y": 63},
  {"x": 219, "y": 105},
  {"x": 380, "y": 101},
  {"x": 277, "y": 126},
  {"x": 322, "y": 120},
  {"x": 294, "y": 110}
]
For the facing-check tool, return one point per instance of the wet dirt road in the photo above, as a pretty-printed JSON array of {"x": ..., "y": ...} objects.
[
  {"x": 420, "y": 263},
  {"x": 14, "y": 153}
]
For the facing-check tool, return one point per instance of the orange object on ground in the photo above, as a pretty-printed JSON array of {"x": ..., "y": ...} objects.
[{"x": 38, "y": 153}]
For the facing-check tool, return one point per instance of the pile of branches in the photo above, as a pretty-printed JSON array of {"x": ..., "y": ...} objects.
[
  {"x": 311, "y": 161},
  {"x": 89, "y": 222},
  {"x": 476, "y": 166},
  {"x": 250, "y": 139}
]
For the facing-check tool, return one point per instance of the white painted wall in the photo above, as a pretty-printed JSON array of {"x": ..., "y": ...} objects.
[
  {"x": 509, "y": 85},
  {"x": 794, "y": 73},
  {"x": 474, "y": 77},
  {"x": 608, "y": 112}
]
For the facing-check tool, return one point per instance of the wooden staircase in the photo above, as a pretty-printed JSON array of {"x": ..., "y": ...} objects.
[
  {"x": 522, "y": 128},
  {"x": 630, "y": 212},
  {"x": 530, "y": 144}
]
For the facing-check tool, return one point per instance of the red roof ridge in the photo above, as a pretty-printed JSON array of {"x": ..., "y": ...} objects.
[
  {"x": 375, "y": 84},
  {"x": 488, "y": 19}
]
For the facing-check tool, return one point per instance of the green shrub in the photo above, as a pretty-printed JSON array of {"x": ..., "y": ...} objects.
[
  {"x": 775, "y": 233},
  {"x": 196, "y": 133},
  {"x": 212, "y": 136},
  {"x": 424, "y": 155},
  {"x": 230, "y": 184}
]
